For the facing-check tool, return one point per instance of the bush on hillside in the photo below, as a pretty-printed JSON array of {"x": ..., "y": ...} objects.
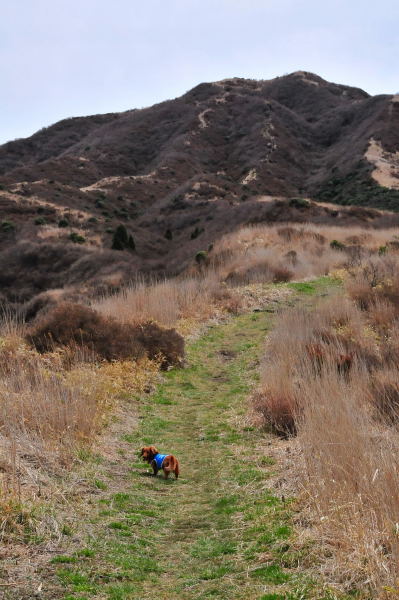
[
  {"x": 76, "y": 238},
  {"x": 71, "y": 324},
  {"x": 122, "y": 240},
  {"x": 202, "y": 257},
  {"x": 7, "y": 226},
  {"x": 337, "y": 245},
  {"x": 299, "y": 203}
]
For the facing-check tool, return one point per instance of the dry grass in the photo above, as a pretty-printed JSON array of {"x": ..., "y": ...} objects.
[
  {"x": 346, "y": 420},
  {"x": 52, "y": 406},
  {"x": 261, "y": 253},
  {"x": 168, "y": 302},
  {"x": 258, "y": 254},
  {"x": 352, "y": 469},
  {"x": 165, "y": 301}
]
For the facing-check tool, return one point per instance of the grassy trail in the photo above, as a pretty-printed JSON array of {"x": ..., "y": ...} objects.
[{"x": 217, "y": 532}]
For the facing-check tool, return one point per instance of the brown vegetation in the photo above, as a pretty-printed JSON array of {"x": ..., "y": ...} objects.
[
  {"x": 331, "y": 376},
  {"x": 74, "y": 325},
  {"x": 52, "y": 405},
  {"x": 271, "y": 149}
]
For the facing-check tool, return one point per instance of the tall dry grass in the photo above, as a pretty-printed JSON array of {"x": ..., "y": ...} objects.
[
  {"x": 257, "y": 254},
  {"x": 352, "y": 468},
  {"x": 169, "y": 301},
  {"x": 331, "y": 376},
  {"x": 52, "y": 405},
  {"x": 291, "y": 251}
]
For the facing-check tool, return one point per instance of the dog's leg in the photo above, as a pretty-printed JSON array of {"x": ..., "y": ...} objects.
[
  {"x": 177, "y": 471},
  {"x": 155, "y": 467},
  {"x": 166, "y": 473}
]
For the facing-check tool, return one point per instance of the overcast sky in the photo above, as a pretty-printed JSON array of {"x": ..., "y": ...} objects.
[{"x": 62, "y": 58}]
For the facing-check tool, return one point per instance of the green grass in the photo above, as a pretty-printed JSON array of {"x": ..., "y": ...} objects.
[
  {"x": 321, "y": 285},
  {"x": 205, "y": 535}
]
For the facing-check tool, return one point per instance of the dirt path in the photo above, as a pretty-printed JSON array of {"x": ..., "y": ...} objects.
[{"x": 219, "y": 531}]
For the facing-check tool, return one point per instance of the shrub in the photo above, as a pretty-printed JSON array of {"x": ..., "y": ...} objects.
[
  {"x": 337, "y": 245},
  {"x": 385, "y": 394},
  {"x": 201, "y": 257},
  {"x": 7, "y": 226},
  {"x": 299, "y": 203},
  {"x": 292, "y": 257},
  {"x": 168, "y": 234},
  {"x": 197, "y": 231},
  {"x": 382, "y": 250},
  {"x": 40, "y": 221},
  {"x": 276, "y": 409},
  {"x": 122, "y": 240},
  {"x": 282, "y": 274},
  {"x": 76, "y": 238},
  {"x": 71, "y": 324},
  {"x": 162, "y": 343},
  {"x": 63, "y": 223},
  {"x": 288, "y": 233}
]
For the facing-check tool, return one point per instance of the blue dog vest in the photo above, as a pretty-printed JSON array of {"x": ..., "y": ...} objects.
[{"x": 159, "y": 458}]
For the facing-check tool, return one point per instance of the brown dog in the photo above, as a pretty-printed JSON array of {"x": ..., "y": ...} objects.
[{"x": 167, "y": 462}]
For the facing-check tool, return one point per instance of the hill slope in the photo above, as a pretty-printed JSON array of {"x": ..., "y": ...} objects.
[{"x": 183, "y": 172}]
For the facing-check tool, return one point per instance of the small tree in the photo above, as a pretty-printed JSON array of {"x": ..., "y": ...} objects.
[
  {"x": 201, "y": 257},
  {"x": 130, "y": 243},
  {"x": 122, "y": 240}
]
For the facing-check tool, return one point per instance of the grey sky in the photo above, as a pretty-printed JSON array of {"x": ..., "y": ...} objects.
[{"x": 61, "y": 58}]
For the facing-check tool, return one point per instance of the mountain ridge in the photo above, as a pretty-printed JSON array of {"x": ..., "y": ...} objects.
[{"x": 185, "y": 171}]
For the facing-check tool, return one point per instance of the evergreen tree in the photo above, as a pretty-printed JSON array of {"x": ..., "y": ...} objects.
[{"x": 122, "y": 240}]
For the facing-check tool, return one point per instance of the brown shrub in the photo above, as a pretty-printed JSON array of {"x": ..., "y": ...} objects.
[
  {"x": 390, "y": 347},
  {"x": 276, "y": 411},
  {"x": 384, "y": 394},
  {"x": 382, "y": 314},
  {"x": 361, "y": 292},
  {"x": 159, "y": 342},
  {"x": 76, "y": 325},
  {"x": 288, "y": 233},
  {"x": 292, "y": 257},
  {"x": 282, "y": 275},
  {"x": 274, "y": 402}
]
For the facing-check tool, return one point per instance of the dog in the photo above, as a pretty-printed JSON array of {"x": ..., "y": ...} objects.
[{"x": 167, "y": 462}]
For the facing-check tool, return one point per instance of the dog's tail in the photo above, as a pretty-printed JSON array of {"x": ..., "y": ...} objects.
[{"x": 171, "y": 464}]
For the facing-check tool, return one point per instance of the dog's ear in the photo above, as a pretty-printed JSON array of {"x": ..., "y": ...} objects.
[{"x": 142, "y": 451}]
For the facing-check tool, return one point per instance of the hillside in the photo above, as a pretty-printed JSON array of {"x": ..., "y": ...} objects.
[{"x": 184, "y": 172}]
